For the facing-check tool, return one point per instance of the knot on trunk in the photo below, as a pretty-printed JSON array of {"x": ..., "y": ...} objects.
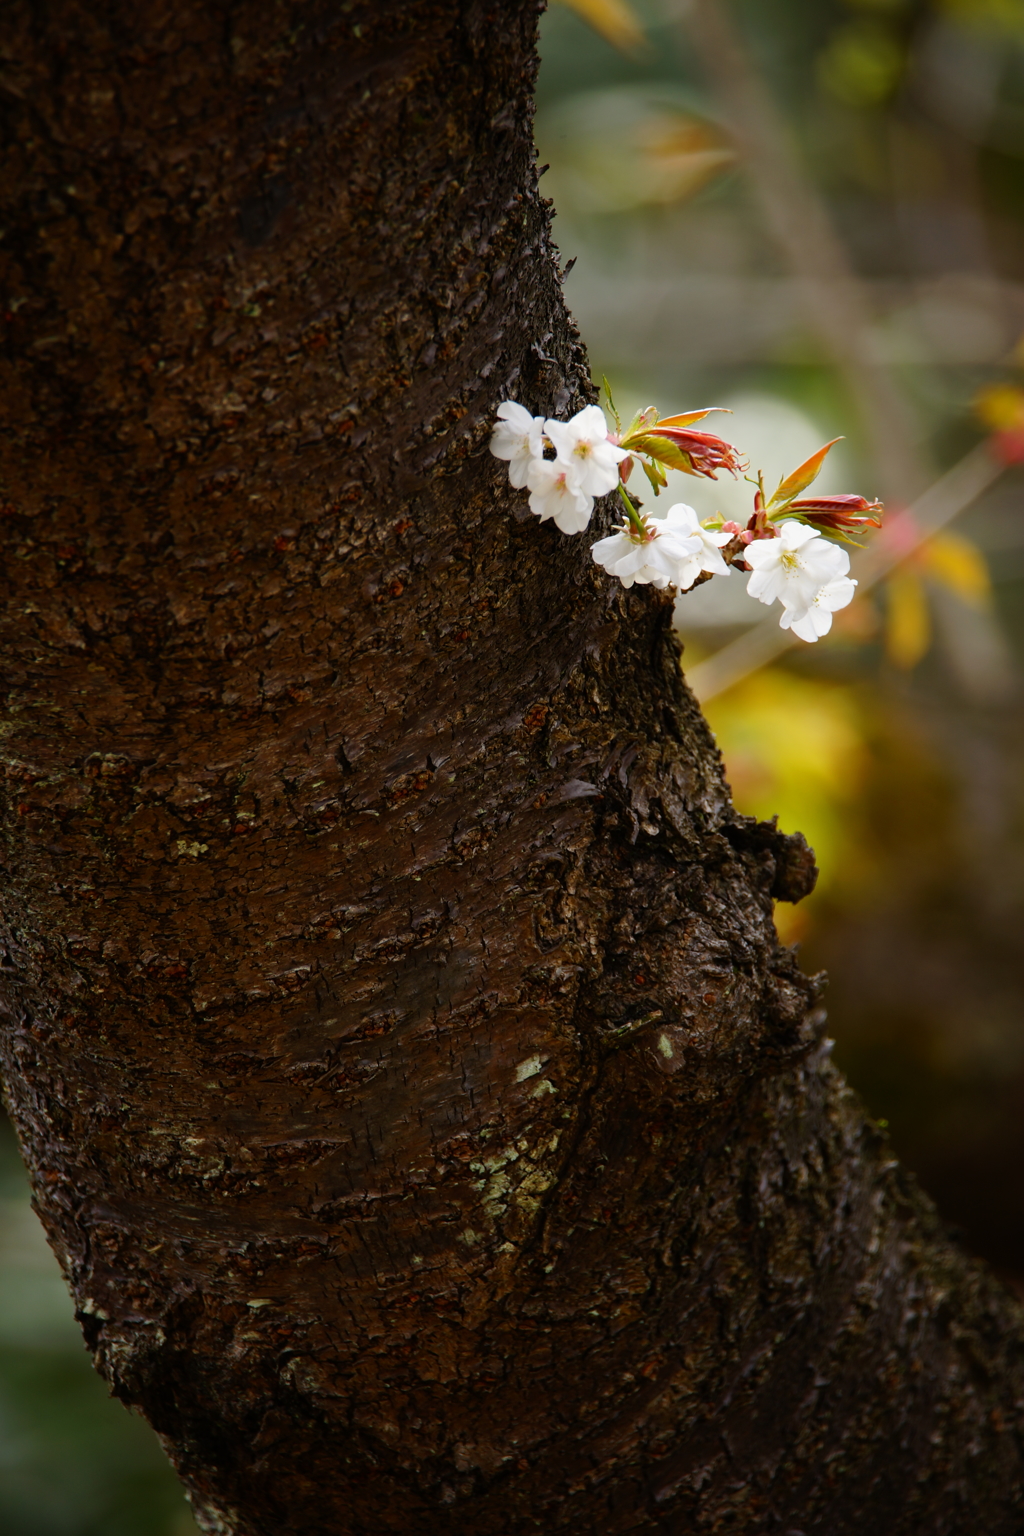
[{"x": 784, "y": 857}]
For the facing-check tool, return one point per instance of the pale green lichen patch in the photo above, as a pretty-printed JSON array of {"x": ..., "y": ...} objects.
[
  {"x": 190, "y": 850},
  {"x": 501, "y": 1184}
]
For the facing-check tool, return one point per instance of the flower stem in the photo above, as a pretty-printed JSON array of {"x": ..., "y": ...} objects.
[{"x": 636, "y": 521}]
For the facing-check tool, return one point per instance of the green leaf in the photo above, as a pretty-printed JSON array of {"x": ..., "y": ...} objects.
[
  {"x": 661, "y": 448},
  {"x": 611, "y": 403},
  {"x": 800, "y": 479},
  {"x": 655, "y": 475}
]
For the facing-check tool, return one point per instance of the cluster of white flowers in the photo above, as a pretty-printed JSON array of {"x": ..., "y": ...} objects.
[
  {"x": 788, "y": 560},
  {"x": 805, "y": 573},
  {"x": 585, "y": 465},
  {"x": 670, "y": 552}
]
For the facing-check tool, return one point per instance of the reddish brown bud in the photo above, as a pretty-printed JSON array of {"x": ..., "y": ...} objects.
[
  {"x": 705, "y": 453},
  {"x": 760, "y": 526},
  {"x": 673, "y": 442},
  {"x": 844, "y": 514}
]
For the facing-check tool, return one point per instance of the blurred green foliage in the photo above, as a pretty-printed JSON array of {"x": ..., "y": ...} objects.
[{"x": 73, "y": 1462}]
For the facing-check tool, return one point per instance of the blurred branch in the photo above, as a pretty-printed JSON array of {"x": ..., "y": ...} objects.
[
  {"x": 952, "y": 494},
  {"x": 798, "y": 222}
]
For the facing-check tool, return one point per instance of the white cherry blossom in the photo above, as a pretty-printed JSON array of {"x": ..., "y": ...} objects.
[
  {"x": 794, "y": 566},
  {"x": 707, "y": 557},
  {"x": 519, "y": 438},
  {"x": 655, "y": 560},
  {"x": 582, "y": 444},
  {"x": 555, "y": 492},
  {"x": 816, "y": 619}
]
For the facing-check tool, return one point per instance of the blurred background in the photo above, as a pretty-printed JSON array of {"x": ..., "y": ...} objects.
[{"x": 810, "y": 212}]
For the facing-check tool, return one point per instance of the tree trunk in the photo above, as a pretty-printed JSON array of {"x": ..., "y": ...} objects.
[{"x": 434, "y": 1135}]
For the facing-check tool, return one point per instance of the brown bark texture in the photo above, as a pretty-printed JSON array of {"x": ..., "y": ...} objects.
[{"x": 435, "y": 1137}]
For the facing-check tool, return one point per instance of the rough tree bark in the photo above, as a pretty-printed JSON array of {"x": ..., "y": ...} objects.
[{"x": 434, "y": 1135}]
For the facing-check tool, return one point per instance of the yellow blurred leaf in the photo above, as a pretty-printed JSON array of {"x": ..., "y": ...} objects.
[
  {"x": 629, "y": 146},
  {"x": 616, "y": 21},
  {"x": 862, "y": 63},
  {"x": 795, "y": 745},
  {"x": 1002, "y": 15},
  {"x": 1001, "y": 407},
  {"x": 908, "y": 629},
  {"x": 684, "y": 155},
  {"x": 958, "y": 564}
]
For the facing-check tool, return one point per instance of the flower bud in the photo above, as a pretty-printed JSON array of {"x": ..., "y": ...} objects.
[
  {"x": 843, "y": 514},
  {"x": 673, "y": 442},
  {"x": 760, "y": 525}
]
